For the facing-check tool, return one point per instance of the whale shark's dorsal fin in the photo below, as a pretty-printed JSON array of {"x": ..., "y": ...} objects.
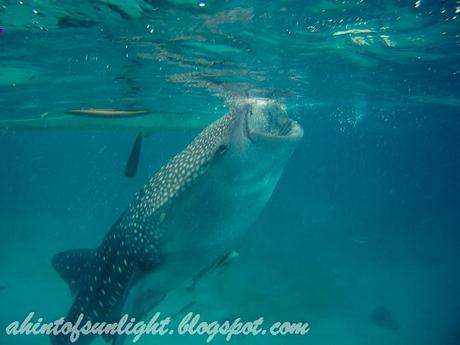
[
  {"x": 72, "y": 265},
  {"x": 133, "y": 160}
]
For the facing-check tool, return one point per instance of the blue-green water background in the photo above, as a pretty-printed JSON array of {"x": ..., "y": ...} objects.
[{"x": 366, "y": 215}]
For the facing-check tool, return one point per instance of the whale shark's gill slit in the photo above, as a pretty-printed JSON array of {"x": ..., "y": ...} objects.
[
  {"x": 285, "y": 129},
  {"x": 222, "y": 149}
]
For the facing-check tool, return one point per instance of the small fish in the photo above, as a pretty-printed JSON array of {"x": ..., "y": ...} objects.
[
  {"x": 2, "y": 30},
  {"x": 219, "y": 264},
  {"x": 382, "y": 317},
  {"x": 360, "y": 239},
  {"x": 107, "y": 112},
  {"x": 183, "y": 310},
  {"x": 151, "y": 306}
]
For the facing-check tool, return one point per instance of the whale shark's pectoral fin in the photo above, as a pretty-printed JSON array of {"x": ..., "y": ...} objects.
[{"x": 72, "y": 265}]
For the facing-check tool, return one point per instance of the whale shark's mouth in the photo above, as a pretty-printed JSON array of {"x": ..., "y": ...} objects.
[{"x": 269, "y": 121}]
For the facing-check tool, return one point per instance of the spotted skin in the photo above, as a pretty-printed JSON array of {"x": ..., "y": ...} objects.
[
  {"x": 100, "y": 278},
  {"x": 141, "y": 225},
  {"x": 223, "y": 176}
]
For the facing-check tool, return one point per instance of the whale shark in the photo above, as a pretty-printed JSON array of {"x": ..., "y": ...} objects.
[{"x": 191, "y": 212}]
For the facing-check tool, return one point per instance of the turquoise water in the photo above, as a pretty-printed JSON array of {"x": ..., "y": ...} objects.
[{"x": 365, "y": 217}]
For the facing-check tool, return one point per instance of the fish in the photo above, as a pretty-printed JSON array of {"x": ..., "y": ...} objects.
[
  {"x": 183, "y": 310},
  {"x": 217, "y": 265},
  {"x": 384, "y": 318},
  {"x": 2, "y": 287},
  {"x": 193, "y": 209},
  {"x": 74, "y": 22}
]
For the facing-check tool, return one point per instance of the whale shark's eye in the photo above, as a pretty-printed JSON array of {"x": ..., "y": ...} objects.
[{"x": 222, "y": 149}]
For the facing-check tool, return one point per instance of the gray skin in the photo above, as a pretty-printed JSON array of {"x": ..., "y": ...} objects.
[{"x": 191, "y": 212}]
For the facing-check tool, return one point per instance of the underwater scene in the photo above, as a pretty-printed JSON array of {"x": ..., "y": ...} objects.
[{"x": 230, "y": 172}]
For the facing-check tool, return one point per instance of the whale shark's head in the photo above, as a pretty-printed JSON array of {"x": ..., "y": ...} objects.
[
  {"x": 230, "y": 169},
  {"x": 240, "y": 158},
  {"x": 261, "y": 136},
  {"x": 255, "y": 135},
  {"x": 248, "y": 150},
  {"x": 256, "y": 138},
  {"x": 264, "y": 121},
  {"x": 226, "y": 175}
]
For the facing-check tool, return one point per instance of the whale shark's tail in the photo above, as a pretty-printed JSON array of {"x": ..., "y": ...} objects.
[{"x": 99, "y": 284}]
